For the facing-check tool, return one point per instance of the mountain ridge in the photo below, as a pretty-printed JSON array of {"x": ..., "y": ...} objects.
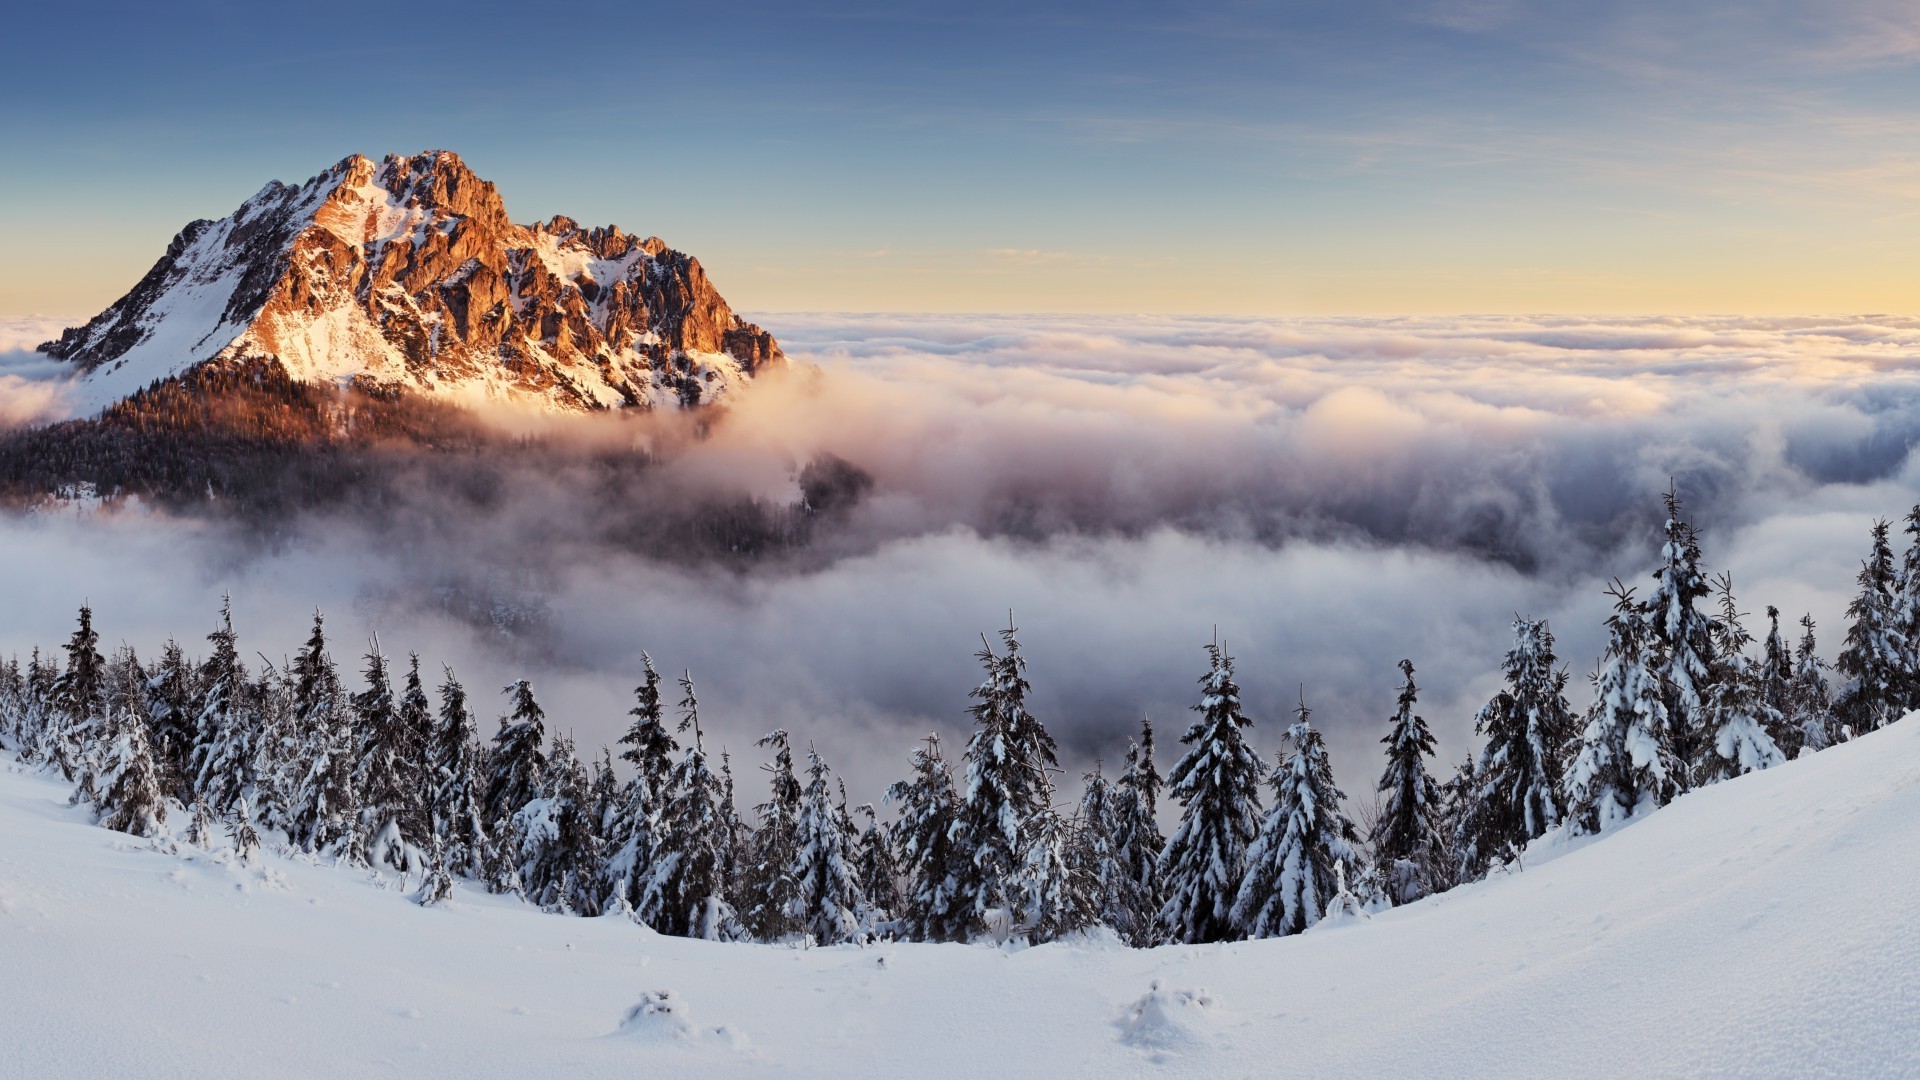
[{"x": 408, "y": 274}]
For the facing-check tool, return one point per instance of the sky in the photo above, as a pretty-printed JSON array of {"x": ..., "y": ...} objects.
[{"x": 1364, "y": 157}]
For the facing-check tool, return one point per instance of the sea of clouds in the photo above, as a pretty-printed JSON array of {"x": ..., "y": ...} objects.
[{"x": 1328, "y": 495}]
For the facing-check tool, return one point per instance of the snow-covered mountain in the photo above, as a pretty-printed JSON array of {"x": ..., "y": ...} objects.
[
  {"x": 1764, "y": 926},
  {"x": 407, "y": 273}
]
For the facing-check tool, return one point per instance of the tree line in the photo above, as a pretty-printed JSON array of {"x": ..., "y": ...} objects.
[{"x": 395, "y": 775}]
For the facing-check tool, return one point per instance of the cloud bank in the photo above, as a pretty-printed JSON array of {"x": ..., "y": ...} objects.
[{"x": 1332, "y": 495}]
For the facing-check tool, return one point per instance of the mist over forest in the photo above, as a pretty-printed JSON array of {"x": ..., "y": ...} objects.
[{"x": 1328, "y": 495}]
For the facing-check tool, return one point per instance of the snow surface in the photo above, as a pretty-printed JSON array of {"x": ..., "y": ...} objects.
[{"x": 1763, "y": 926}]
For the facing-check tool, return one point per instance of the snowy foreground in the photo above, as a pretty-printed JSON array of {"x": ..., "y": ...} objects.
[{"x": 1768, "y": 925}]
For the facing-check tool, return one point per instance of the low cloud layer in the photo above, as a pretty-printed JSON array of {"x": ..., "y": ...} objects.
[{"x": 1331, "y": 494}]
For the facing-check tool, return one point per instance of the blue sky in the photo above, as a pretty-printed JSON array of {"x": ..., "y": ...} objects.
[{"x": 1370, "y": 157}]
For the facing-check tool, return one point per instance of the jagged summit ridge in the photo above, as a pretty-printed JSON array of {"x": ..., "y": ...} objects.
[{"x": 408, "y": 274}]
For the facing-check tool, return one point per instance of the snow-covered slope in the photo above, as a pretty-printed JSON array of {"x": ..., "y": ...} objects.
[
  {"x": 1765, "y": 926},
  {"x": 407, "y": 273}
]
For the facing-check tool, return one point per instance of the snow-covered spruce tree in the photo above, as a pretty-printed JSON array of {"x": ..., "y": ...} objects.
[
  {"x": 123, "y": 701},
  {"x": 1906, "y": 606},
  {"x": 170, "y": 694},
  {"x": 1465, "y": 823},
  {"x": 1681, "y": 642},
  {"x": 77, "y": 701},
  {"x": 225, "y": 731},
  {"x": 557, "y": 848},
  {"x": 1293, "y": 866},
  {"x": 246, "y": 839},
  {"x": 877, "y": 871},
  {"x": 1098, "y": 859},
  {"x": 1218, "y": 784},
  {"x": 1137, "y": 842},
  {"x": 123, "y": 778},
  {"x": 1527, "y": 726},
  {"x": 686, "y": 892},
  {"x": 436, "y": 887},
  {"x": 1776, "y": 686},
  {"x": 385, "y": 773},
  {"x": 319, "y": 772},
  {"x": 770, "y": 905},
  {"x": 737, "y": 839},
  {"x": 1874, "y": 657},
  {"x": 35, "y": 705},
  {"x": 1625, "y": 764},
  {"x": 636, "y": 820},
  {"x": 1007, "y": 760},
  {"x": 515, "y": 768},
  {"x": 458, "y": 806},
  {"x": 1406, "y": 837},
  {"x": 929, "y": 808},
  {"x": 1811, "y": 715},
  {"x": 827, "y": 899},
  {"x": 416, "y": 741},
  {"x": 1737, "y": 717}
]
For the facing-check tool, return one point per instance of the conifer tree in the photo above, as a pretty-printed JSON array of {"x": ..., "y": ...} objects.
[
  {"x": 319, "y": 769},
  {"x": 123, "y": 780},
  {"x": 930, "y": 910},
  {"x": 1681, "y": 638},
  {"x": 558, "y": 848},
  {"x": 1133, "y": 806},
  {"x": 650, "y": 750},
  {"x": 436, "y": 887},
  {"x": 1906, "y": 609},
  {"x": 515, "y": 769},
  {"x": 1053, "y": 898},
  {"x": 1527, "y": 726},
  {"x": 1625, "y": 764},
  {"x": 170, "y": 706},
  {"x": 685, "y": 894},
  {"x": 1218, "y": 784},
  {"x": 225, "y": 733},
  {"x": 416, "y": 746},
  {"x": 1406, "y": 838},
  {"x": 771, "y": 907},
  {"x": 827, "y": 898},
  {"x": 1294, "y": 865},
  {"x": 1465, "y": 825},
  {"x": 876, "y": 870},
  {"x": 77, "y": 700},
  {"x": 385, "y": 774},
  {"x": 246, "y": 839},
  {"x": 458, "y": 808},
  {"x": 1008, "y": 789},
  {"x": 1874, "y": 658},
  {"x": 1099, "y": 859},
  {"x": 1737, "y": 717},
  {"x": 1812, "y": 713},
  {"x": 1776, "y": 686}
]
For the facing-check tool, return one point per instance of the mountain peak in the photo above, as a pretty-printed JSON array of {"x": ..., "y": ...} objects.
[{"x": 407, "y": 274}]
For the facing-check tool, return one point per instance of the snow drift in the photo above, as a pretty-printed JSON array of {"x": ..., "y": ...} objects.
[{"x": 1761, "y": 926}]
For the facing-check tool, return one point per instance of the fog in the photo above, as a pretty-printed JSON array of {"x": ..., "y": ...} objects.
[{"x": 1327, "y": 495}]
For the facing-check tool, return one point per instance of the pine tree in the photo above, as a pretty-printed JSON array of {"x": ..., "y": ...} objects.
[
  {"x": 318, "y": 773},
  {"x": 1874, "y": 658},
  {"x": 436, "y": 887},
  {"x": 876, "y": 870},
  {"x": 1906, "y": 610},
  {"x": 631, "y": 835},
  {"x": 1681, "y": 638},
  {"x": 557, "y": 847},
  {"x": 1812, "y": 712},
  {"x": 1527, "y": 726},
  {"x": 416, "y": 747},
  {"x": 929, "y": 808},
  {"x": 246, "y": 839},
  {"x": 386, "y": 765},
  {"x": 1737, "y": 717},
  {"x": 1098, "y": 858},
  {"x": 225, "y": 733},
  {"x": 1776, "y": 686},
  {"x": 1133, "y": 806},
  {"x": 1294, "y": 866},
  {"x": 1625, "y": 764},
  {"x": 170, "y": 695},
  {"x": 516, "y": 766},
  {"x": 1218, "y": 784},
  {"x": 685, "y": 894},
  {"x": 77, "y": 700},
  {"x": 1007, "y": 759},
  {"x": 458, "y": 807},
  {"x": 125, "y": 786},
  {"x": 1406, "y": 837},
  {"x": 771, "y": 906},
  {"x": 827, "y": 898},
  {"x": 1054, "y": 898}
]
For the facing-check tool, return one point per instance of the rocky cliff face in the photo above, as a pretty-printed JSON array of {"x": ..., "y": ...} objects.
[{"x": 408, "y": 275}]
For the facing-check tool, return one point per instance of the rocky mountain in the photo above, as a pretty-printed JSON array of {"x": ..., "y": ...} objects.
[{"x": 408, "y": 275}]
